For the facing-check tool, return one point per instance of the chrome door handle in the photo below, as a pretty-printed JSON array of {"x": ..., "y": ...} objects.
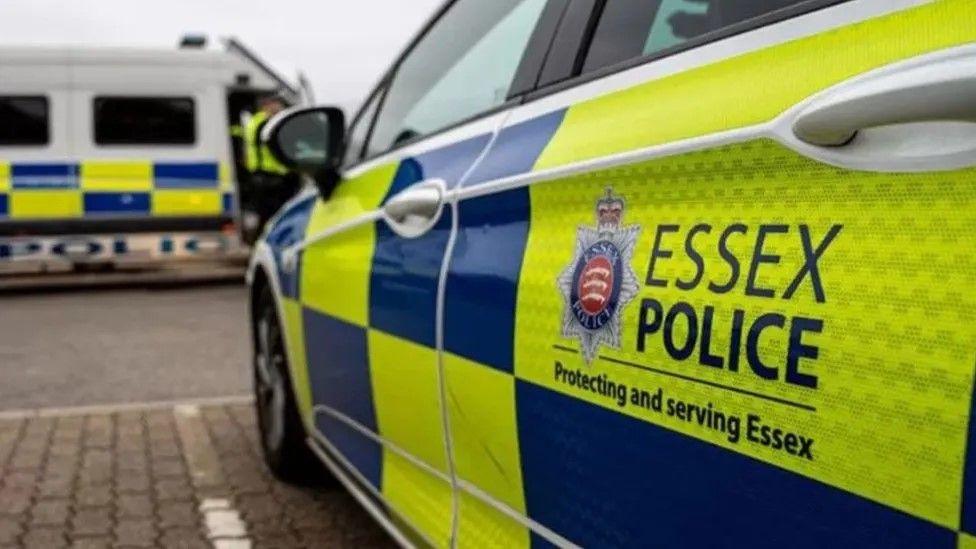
[
  {"x": 415, "y": 210},
  {"x": 939, "y": 91}
]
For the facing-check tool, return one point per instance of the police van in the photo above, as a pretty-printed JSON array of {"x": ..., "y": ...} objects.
[
  {"x": 638, "y": 273},
  {"x": 124, "y": 157}
]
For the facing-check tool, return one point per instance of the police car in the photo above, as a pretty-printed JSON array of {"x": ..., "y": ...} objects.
[{"x": 638, "y": 273}]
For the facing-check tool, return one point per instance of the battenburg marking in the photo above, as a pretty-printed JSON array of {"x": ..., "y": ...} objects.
[{"x": 599, "y": 282}]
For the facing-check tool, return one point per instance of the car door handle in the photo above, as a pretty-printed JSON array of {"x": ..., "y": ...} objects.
[
  {"x": 415, "y": 210},
  {"x": 939, "y": 91}
]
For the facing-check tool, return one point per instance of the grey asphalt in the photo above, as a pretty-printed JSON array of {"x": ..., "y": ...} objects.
[{"x": 104, "y": 346}]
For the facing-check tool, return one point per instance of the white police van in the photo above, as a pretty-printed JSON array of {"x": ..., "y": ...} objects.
[{"x": 122, "y": 157}]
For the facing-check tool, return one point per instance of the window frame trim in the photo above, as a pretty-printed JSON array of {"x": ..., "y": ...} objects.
[
  {"x": 47, "y": 120},
  {"x": 94, "y": 122},
  {"x": 379, "y": 89}
]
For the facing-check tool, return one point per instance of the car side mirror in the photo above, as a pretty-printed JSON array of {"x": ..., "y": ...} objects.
[{"x": 309, "y": 141}]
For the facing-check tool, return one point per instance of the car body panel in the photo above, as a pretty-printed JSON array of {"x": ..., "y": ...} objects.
[{"x": 841, "y": 289}]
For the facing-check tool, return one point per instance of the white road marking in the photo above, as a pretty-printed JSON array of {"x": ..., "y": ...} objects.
[
  {"x": 100, "y": 409},
  {"x": 223, "y": 523},
  {"x": 198, "y": 450}
]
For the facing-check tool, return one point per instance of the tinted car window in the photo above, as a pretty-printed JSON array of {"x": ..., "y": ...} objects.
[
  {"x": 634, "y": 28},
  {"x": 144, "y": 121},
  {"x": 463, "y": 66},
  {"x": 24, "y": 120}
]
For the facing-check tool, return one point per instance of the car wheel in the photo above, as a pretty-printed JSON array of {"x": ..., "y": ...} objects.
[{"x": 282, "y": 432}]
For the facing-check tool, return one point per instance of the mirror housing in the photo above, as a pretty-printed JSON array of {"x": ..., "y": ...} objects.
[{"x": 309, "y": 141}]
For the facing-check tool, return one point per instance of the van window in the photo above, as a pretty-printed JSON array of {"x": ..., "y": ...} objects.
[
  {"x": 24, "y": 120},
  {"x": 144, "y": 120},
  {"x": 629, "y": 29}
]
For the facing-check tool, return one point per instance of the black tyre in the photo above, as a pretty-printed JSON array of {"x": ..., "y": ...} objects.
[{"x": 282, "y": 432}]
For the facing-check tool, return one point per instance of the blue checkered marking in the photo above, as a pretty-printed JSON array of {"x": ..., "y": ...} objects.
[
  {"x": 403, "y": 282},
  {"x": 192, "y": 175},
  {"x": 482, "y": 283},
  {"x": 227, "y": 203},
  {"x": 117, "y": 203},
  {"x": 405, "y": 272},
  {"x": 338, "y": 369},
  {"x": 4, "y": 205},
  {"x": 449, "y": 163},
  {"x": 44, "y": 176},
  {"x": 638, "y": 484},
  {"x": 288, "y": 230},
  {"x": 517, "y": 148}
]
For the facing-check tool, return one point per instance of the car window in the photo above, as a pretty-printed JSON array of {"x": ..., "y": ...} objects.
[
  {"x": 629, "y": 29},
  {"x": 463, "y": 66},
  {"x": 24, "y": 120},
  {"x": 144, "y": 121},
  {"x": 359, "y": 131}
]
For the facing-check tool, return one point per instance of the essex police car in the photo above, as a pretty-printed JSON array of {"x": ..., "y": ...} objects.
[{"x": 638, "y": 273}]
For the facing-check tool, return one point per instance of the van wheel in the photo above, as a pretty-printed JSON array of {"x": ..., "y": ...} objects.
[{"x": 281, "y": 429}]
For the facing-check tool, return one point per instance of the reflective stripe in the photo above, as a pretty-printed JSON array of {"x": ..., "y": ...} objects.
[
  {"x": 185, "y": 175},
  {"x": 45, "y": 204},
  {"x": 4, "y": 176},
  {"x": 44, "y": 176},
  {"x": 116, "y": 176},
  {"x": 30, "y": 191},
  {"x": 172, "y": 202},
  {"x": 108, "y": 203}
]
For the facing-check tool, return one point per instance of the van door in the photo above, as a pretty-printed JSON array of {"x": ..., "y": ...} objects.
[
  {"x": 712, "y": 287},
  {"x": 370, "y": 268}
]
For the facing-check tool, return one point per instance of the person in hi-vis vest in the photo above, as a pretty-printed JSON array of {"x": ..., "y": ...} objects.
[{"x": 271, "y": 182}]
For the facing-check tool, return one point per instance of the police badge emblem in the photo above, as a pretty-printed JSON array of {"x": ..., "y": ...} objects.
[{"x": 599, "y": 282}]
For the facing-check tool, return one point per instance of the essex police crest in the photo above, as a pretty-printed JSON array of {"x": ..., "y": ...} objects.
[{"x": 599, "y": 282}]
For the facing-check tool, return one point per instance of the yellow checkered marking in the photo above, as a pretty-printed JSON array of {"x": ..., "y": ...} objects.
[
  {"x": 298, "y": 366},
  {"x": 225, "y": 176},
  {"x": 404, "y": 377},
  {"x": 117, "y": 176},
  {"x": 484, "y": 435},
  {"x": 4, "y": 176},
  {"x": 186, "y": 202},
  {"x": 481, "y": 405},
  {"x": 46, "y": 204},
  {"x": 419, "y": 497},
  {"x": 966, "y": 541},
  {"x": 723, "y": 95},
  {"x": 896, "y": 352},
  {"x": 406, "y": 394},
  {"x": 335, "y": 278},
  {"x": 481, "y": 525}
]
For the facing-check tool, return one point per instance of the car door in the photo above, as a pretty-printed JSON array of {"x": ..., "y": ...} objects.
[
  {"x": 721, "y": 264},
  {"x": 370, "y": 265}
]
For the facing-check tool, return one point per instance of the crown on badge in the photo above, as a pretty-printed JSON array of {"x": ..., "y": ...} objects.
[{"x": 609, "y": 211}]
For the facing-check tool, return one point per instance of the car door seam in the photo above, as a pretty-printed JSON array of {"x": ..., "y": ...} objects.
[{"x": 451, "y": 199}]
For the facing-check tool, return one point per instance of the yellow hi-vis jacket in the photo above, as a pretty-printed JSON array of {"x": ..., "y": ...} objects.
[{"x": 259, "y": 157}]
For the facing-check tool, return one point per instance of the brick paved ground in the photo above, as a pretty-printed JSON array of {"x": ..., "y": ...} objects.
[{"x": 124, "y": 479}]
